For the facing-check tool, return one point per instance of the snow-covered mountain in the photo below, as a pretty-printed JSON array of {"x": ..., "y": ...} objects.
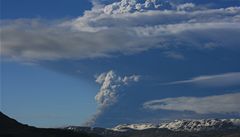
[
  {"x": 177, "y": 128},
  {"x": 184, "y": 125}
]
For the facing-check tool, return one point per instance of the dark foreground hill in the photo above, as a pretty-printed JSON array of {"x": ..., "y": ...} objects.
[{"x": 11, "y": 128}]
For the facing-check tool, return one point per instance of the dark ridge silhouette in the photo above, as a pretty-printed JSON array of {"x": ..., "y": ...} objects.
[
  {"x": 7, "y": 122},
  {"x": 11, "y": 128}
]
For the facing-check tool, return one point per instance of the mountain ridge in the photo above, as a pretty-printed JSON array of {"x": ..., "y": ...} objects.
[
  {"x": 185, "y": 125},
  {"x": 177, "y": 128},
  {"x": 12, "y": 128}
]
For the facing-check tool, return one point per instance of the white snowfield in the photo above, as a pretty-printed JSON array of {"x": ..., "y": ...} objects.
[{"x": 184, "y": 125}]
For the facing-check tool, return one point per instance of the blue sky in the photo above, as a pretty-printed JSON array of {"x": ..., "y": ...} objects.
[
  {"x": 119, "y": 62},
  {"x": 54, "y": 9},
  {"x": 36, "y": 96}
]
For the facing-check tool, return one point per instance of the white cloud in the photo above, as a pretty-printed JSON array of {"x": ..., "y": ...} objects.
[
  {"x": 226, "y": 79},
  {"x": 227, "y": 103},
  {"x": 98, "y": 34},
  {"x": 110, "y": 84}
]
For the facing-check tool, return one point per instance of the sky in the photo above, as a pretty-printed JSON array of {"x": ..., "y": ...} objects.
[{"x": 108, "y": 62}]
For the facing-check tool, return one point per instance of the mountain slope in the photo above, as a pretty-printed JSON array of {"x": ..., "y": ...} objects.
[
  {"x": 185, "y": 125},
  {"x": 11, "y": 128},
  {"x": 7, "y": 122},
  {"x": 158, "y": 132},
  {"x": 178, "y": 128}
]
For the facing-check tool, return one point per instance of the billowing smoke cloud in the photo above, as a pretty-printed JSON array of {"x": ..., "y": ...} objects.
[
  {"x": 223, "y": 104},
  {"x": 110, "y": 83},
  {"x": 126, "y": 27},
  {"x": 130, "y": 6},
  {"x": 109, "y": 91}
]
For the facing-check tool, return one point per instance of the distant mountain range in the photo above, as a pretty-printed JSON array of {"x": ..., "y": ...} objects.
[
  {"x": 179, "y": 128},
  {"x": 185, "y": 125}
]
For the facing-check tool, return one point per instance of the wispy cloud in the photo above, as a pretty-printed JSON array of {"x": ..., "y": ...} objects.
[
  {"x": 227, "y": 103},
  {"x": 225, "y": 79},
  {"x": 174, "y": 55}
]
